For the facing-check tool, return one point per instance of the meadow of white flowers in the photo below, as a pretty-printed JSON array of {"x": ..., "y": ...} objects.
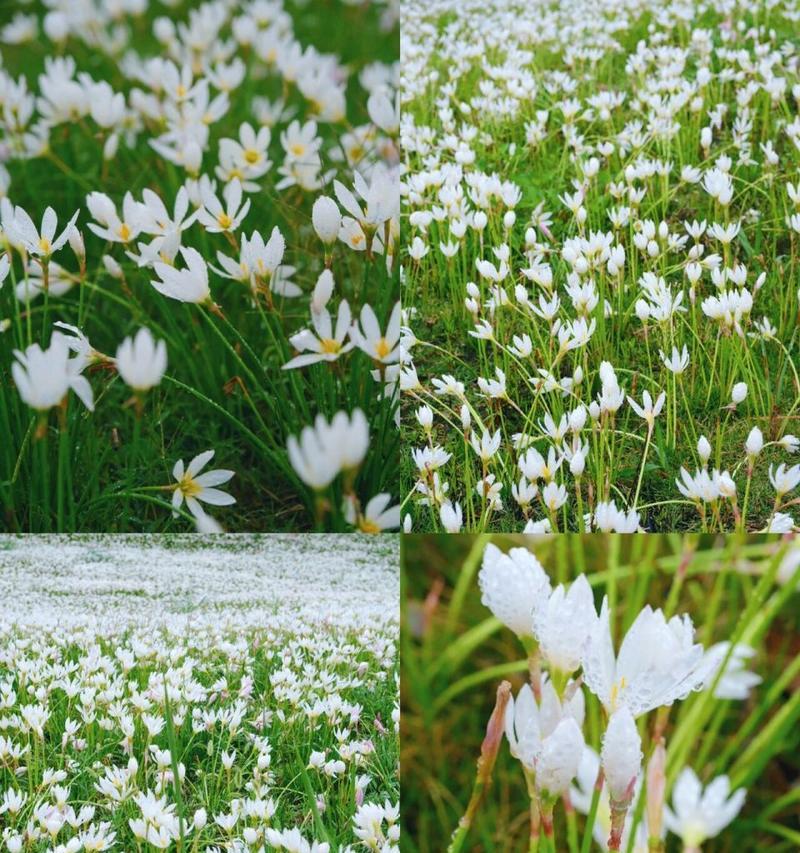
[
  {"x": 239, "y": 695},
  {"x": 601, "y": 207}
]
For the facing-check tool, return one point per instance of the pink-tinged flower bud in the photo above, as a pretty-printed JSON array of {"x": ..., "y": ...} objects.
[{"x": 656, "y": 786}]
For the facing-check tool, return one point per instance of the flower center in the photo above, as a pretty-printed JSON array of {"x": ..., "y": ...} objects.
[
  {"x": 366, "y": 525},
  {"x": 330, "y": 346},
  {"x": 382, "y": 348},
  {"x": 189, "y": 486},
  {"x": 616, "y": 689},
  {"x": 251, "y": 155},
  {"x": 45, "y": 245},
  {"x": 297, "y": 149},
  {"x": 224, "y": 220},
  {"x": 124, "y": 231}
]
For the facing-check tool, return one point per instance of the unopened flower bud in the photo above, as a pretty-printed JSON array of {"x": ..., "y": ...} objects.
[
  {"x": 326, "y": 219},
  {"x": 755, "y": 442}
]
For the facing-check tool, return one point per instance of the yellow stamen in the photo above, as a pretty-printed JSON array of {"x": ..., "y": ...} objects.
[
  {"x": 298, "y": 149},
  {"x": 382, "y": 348},
  {"x": 189, "y": 486},
  {"x": 124, "y": 231},
  {"x": 181, "y": 90},
  {"x": 251, "y": 155},
  {"x": 224, "y": 220},
  {"x": 366, "y": 525},
  {"x": 616, "y": 688},
  {"x": 45, "y": 245},
  {"x": 330, "y": 346}
]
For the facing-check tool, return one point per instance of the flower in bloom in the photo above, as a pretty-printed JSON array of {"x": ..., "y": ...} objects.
[
  {"x": 193, "y": 486},
  {"x": 658, "y": 662},
  {"x": 189, "y": 285},
  {"x": 141, "y": 361},
  {"x": 698, "y": 814},
  {"x": 368, "y": 337},
  {"x": 378, "y": 515},
  {"x": 325, "y": 449},
  {"x": 735, "y": 681},
  {"x": 217, "y": 218},
  {"x": 40, "y": 242},
  {"x": 562, "y": 623},
  {"x": 649, "y": 410},
  {"x": 43, "y": 377},
  {"x": 512, "y": 586},
  {"x": 784, "y": 479},
  {"x": 547, "y": 739},
  {"x": 325, "y": 343}
]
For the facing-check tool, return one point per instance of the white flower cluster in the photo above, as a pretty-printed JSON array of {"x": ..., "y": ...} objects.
[
  {"x": 197, "y": 186},
  {"x": 601, "y": 213},
  {"x": 209, "y": 680},
  {"x": 657, "y": 663}
]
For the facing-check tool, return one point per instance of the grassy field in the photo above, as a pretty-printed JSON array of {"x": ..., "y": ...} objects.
[
  {"x": 455, "y": 653},
  {"x": 239, "y": 697},
  {"x": 572, "y": 195},
  {"x": 66, "y": 468}
]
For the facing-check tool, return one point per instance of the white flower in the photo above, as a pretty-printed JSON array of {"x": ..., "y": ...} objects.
[
  {"x": 547, "y": 739},
  {"x": 649, "y": 410},
  {"x": 189, "y": 285},
  {"x": 42, "y": 242},
  {"x": 325, "y": 449},
  {"x": 754, "y": 443},
  {"x": 141, "y": 361},
  {"x": 325, "y": 343},
  {"x": 326, "y": 219},
  {"x": 735, "y": 682},
  {"x": 193, "y": 486},
  {"x": 784, "y": 479},
  {"x": 512, "y": 586},
  {"x": 562, "y": 623},
  {"x": 368, "y": 336},
  {"x": 739, "y": 392},
  {"x": 43, "y": 377},
  {"x": 621, "y": 755},
  {"x": 677, "y": 362},
  {"x": 451, "y": 516},
  {"x": 217, "y": 218},
  {"x": 658, "y": 662},
  {"x": 696, "y": 814}
]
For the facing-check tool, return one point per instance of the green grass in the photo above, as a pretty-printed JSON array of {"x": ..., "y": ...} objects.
[
  {"x": 434, "y": 289},
  {"x": 454, "y": 654},
  {"x": 224, "y": 387}
]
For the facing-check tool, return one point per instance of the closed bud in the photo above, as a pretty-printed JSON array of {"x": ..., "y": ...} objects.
[
  {"x": 621, "y": 755},
  {"x": 739, "y": 392},
  {"x": 326, "y": 219},
  {"x": 754, "y": 443},
  {"x": 703, "y": 449}
]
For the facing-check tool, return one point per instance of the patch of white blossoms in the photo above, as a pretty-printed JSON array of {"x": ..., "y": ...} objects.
[
  {"x": 601, "y": 214},
  {"x": 152, "y": 693}
]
